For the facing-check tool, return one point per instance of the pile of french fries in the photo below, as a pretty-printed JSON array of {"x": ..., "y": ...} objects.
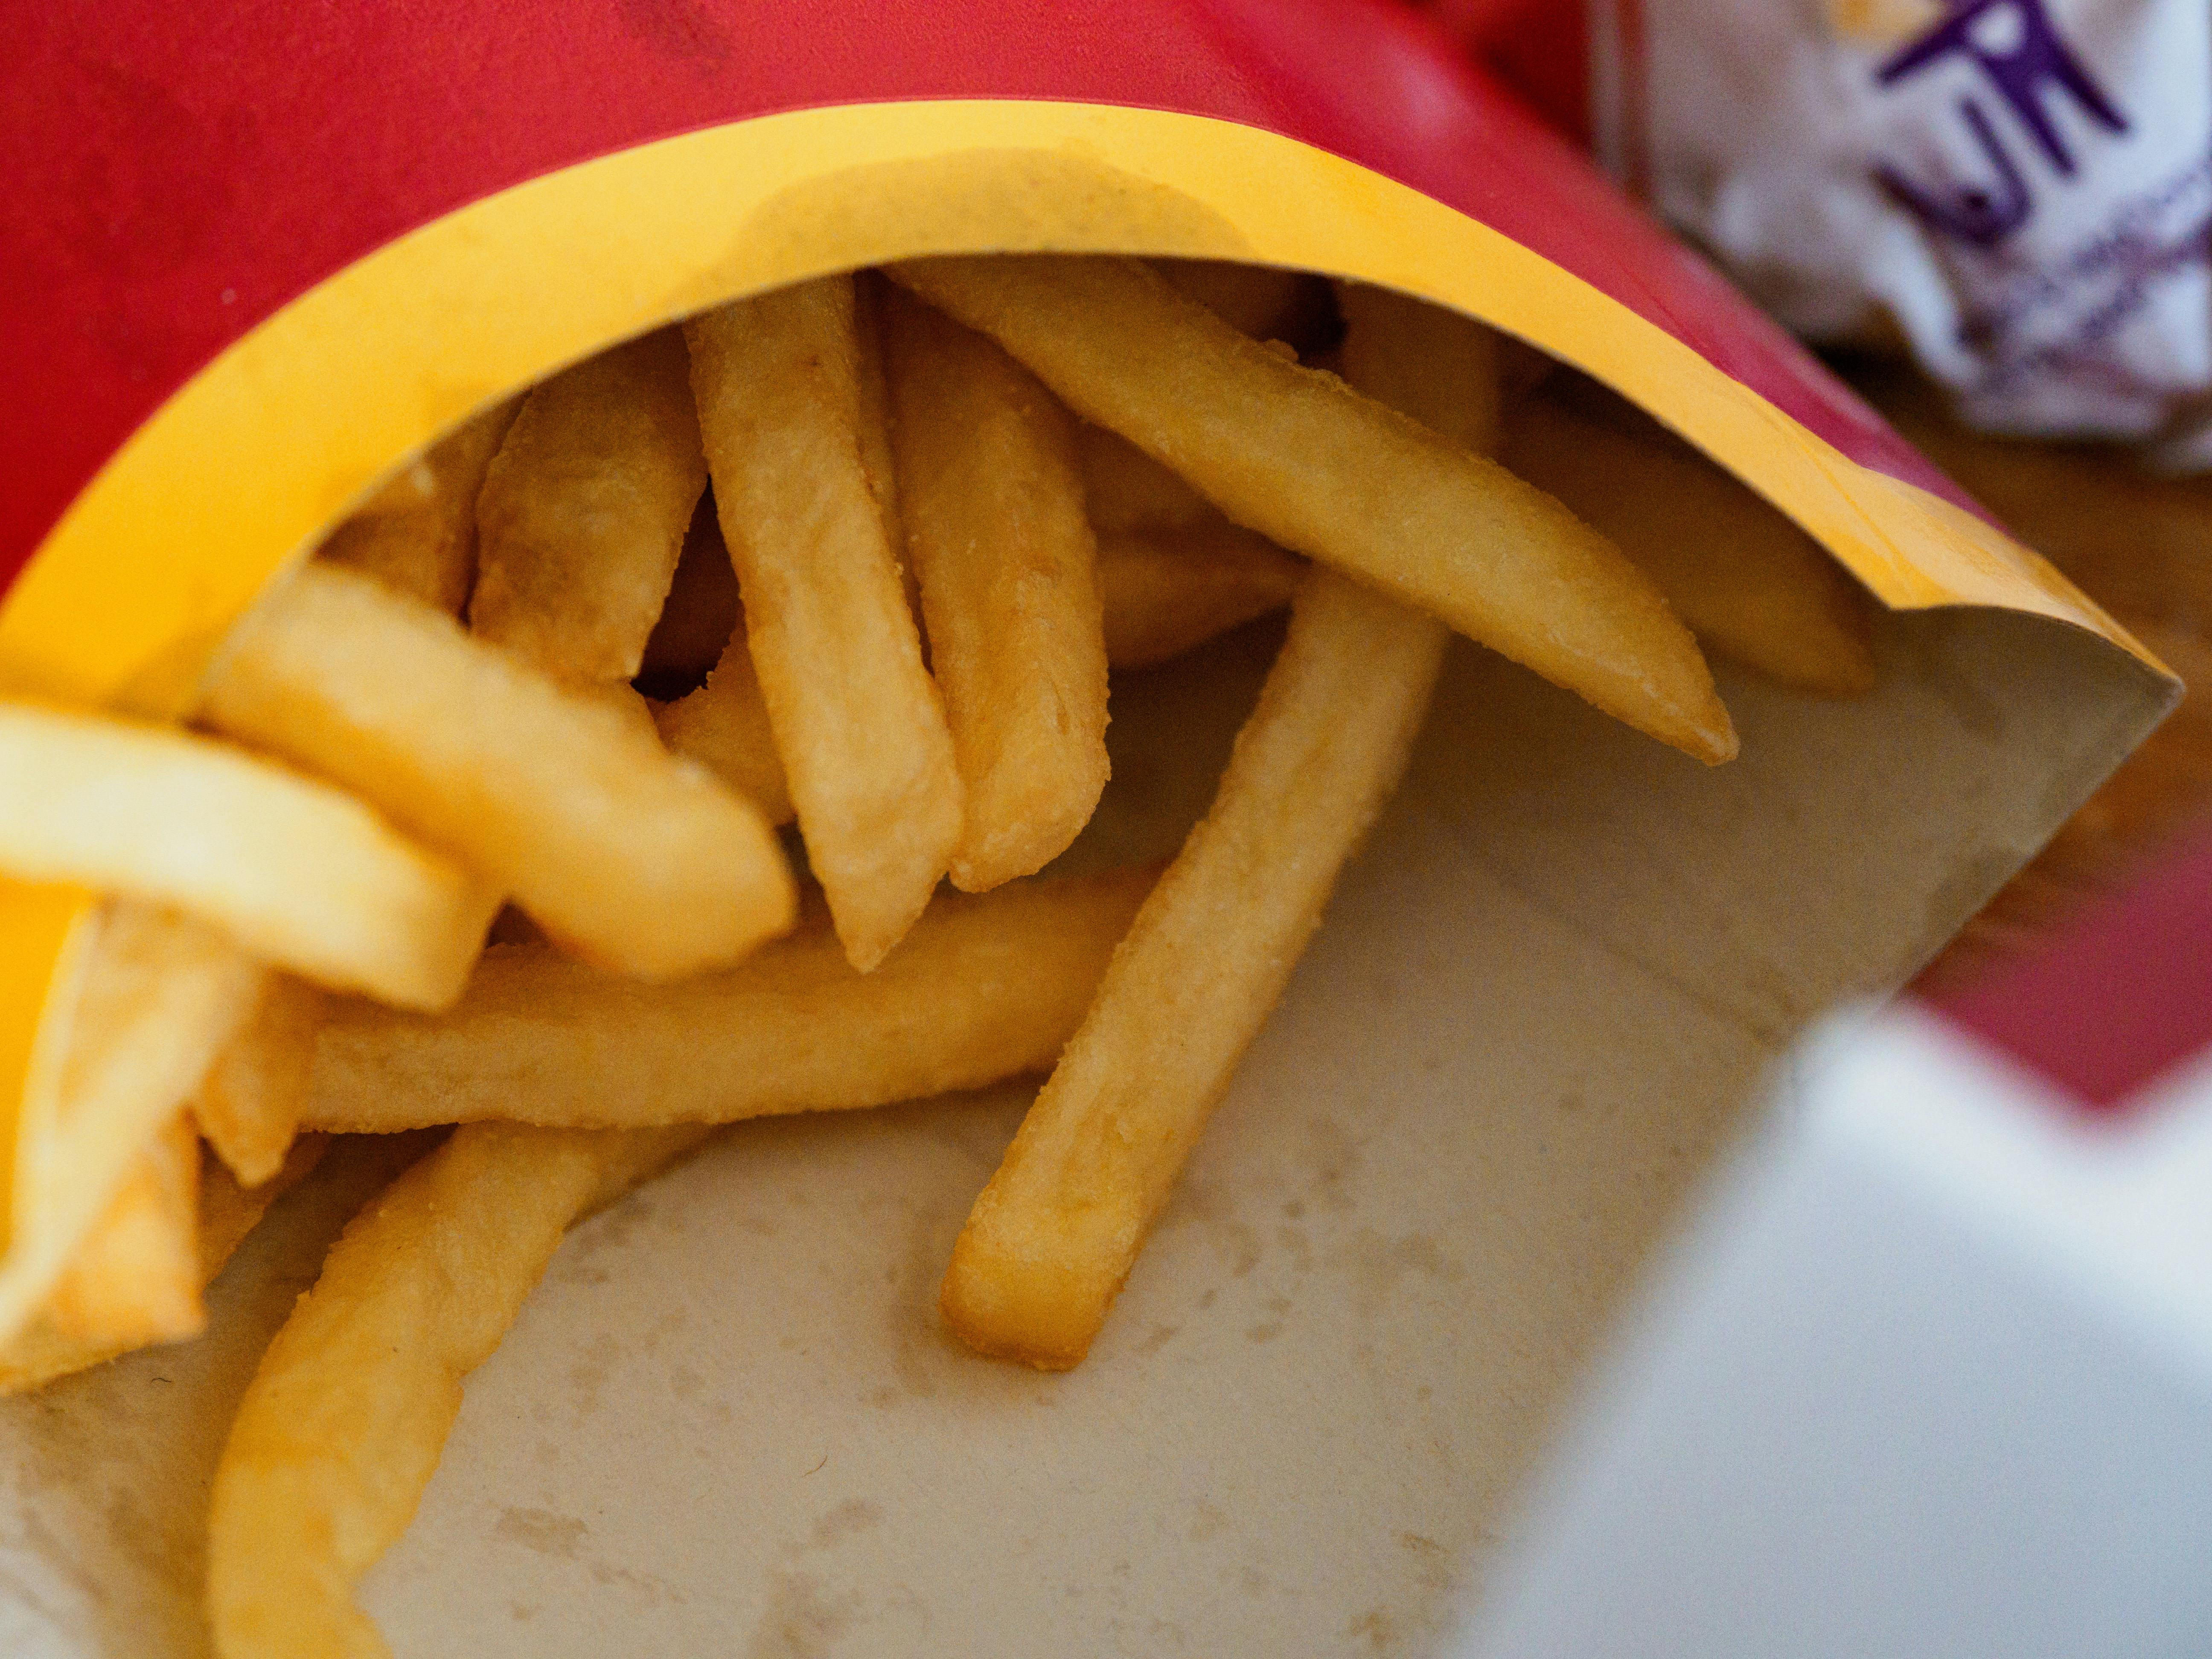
[{"x": 478, "y": 820}]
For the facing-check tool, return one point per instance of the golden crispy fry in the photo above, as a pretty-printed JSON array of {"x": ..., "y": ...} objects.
[
  {"x": 995, "y": 527},
  {"x": 858, "y": 721},
  {"x": 701, "y": 613},
  {"x": 1126, "y": 489},
  {"x": 1754, "y": 585},
  {"x": 38, "y": 1354},
  {"x": 1052, "y": 1237},
  {"x": 1261, "y": 300},
  {"x": 344, "y": 1423},
  {"x": 585, "y": 509},
  {"x": 154, "y": 999},
  {"x": 983, "y": 988},
  {"x": 1162, "y": 591},
  {"x": 1296, "y": 455},
  {"x": 300, "y": 873},
  {"x": 418, "y": 534},
  {"x": 248, "y": 1105},
  {"x": 630, "y": 857},
  {"x": 1166, "y": 591},
  {"x": 1433, "y": 364},
  {"x": 723, "y": 726},
  {"x": 134, "y": 1278}
]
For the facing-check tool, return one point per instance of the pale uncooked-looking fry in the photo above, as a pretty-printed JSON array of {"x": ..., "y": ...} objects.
[
  {"x": 155, "y": 999},
  {"x": 632, "y": 858},
  {"x": 584, "y": 511},
  {"x": 1126, "y": 489},
  {"x": 1433, "y": 364},
  {"x": 38, "y": 1354},
  {"x": 1055, "y": 1233},
  {"x": 300, "y": 873},
  {"x": 983, "y": 988},
  {"x": 1298, "y": 456},
  {"x": 1166, "y": 591},
  {"x": 996, "y": 530},
  {"x": 1751, "y": 584},
  {"x": 723, "y": 726},
  {"x": 248, "y": 1104},
  {"x": 857, "y": 721},
  {"x": 342, "y": 1425},
  {"x": 418, "y": 534},
  {"x": 134, "y": 1278}
]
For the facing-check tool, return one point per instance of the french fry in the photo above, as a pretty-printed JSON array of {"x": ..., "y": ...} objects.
[
  {"x": 1162, "y": 591},
  {"x": 1008, "y": 566},
  {"x": 1166, "y": 591},
  {"x": 38, "y": 1354},
  {"x": 229, "y": 1211},
  {"x": 857, "y": 721},
  {"x": 983, "y": 988},
  {"x": 723, "y": 726},
  {"x": 631, "y": 858},
  {"x": 583, "y": 511},
  {"x": 1172, "y": 571},
  {"x": 300, "y": 874},
  {"x": 701, "y": 612},
  {"x": 1298, "y": 455},
  {"x": 248, "y": 1104},
  {"x": 1035, "y": 1270},
  {"x": 627, "y": 702},
  {"x": 873, "y": 429},
  {"x": 154, "y": 998},
  {"x": 418, "y": 534},
  {"x": 1432, "y": 364},
  {"x": 1260, "y": 300},
  {"x": 1053, "y": 1235},
  {"x": 134, "y": 1279},
  {"x": 1126, "y": 489},
  {"x": 343, "y": 1422},
  {"x": 872, "y": 426},
  {"x": 1751, "y": 584}
]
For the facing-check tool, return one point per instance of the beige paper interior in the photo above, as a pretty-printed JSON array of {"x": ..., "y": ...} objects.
[{"x": 730, "y": 1422}]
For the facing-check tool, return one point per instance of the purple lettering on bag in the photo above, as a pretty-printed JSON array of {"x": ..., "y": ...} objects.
[
  {"x": 1984, "y": 215},
  {"x": 2015, "y": 47},
  {"x": 2013, "y": 43}
]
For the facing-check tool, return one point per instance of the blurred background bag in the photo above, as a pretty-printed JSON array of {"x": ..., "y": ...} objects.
[{"x": 2018, "y": 191}]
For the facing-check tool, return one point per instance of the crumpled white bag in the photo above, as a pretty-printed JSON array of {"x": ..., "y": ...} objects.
[{"x": 2021, "y": 187}]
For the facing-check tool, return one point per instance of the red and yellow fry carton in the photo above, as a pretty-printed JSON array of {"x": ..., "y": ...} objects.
[{"x": 257, "y": 256}]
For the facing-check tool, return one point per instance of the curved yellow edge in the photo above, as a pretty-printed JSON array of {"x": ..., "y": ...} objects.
[
  {"x": 42, "y": 930},
  {"x": 240, "y": 471}
]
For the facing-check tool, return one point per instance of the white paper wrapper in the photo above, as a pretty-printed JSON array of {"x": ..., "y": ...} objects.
[{"x": 2022, "y": 186}]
